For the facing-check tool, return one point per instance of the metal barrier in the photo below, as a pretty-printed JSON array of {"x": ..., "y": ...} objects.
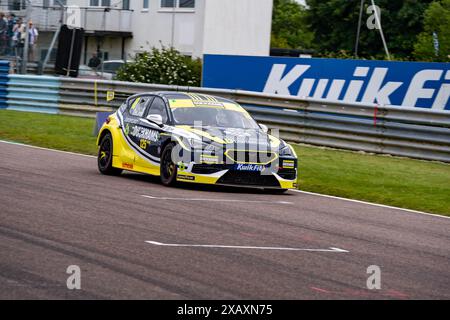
[
  {"x": 33, "y": 93},
  {"x": 412, "y": 132},
  {"x": 4, "y": 70}
]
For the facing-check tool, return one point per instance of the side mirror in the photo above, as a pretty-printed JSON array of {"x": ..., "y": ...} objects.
[
  {"x": 263, "y": 127},
  {"x": 156, "y": 119}
]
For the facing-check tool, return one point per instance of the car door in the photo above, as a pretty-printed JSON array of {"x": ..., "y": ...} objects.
[
  {"x": 153, "y": 142},
  {"x": 147, "y": 135},
  {"x": 132, "y": 127}
]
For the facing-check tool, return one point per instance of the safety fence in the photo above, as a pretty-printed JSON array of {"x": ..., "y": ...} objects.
[
  {"x": 412, "y": 132},
  {"x": 4, "y": 70}
]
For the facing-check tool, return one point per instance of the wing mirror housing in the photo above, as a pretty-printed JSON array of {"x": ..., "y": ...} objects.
[
  {"x": 156, "y": 119},
  {"x": 263, "y": 127}
]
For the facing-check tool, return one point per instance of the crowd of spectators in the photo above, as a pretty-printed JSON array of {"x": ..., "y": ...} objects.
[{"x": 13, "y": 36}]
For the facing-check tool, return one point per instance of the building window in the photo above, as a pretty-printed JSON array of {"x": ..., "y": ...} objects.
[
  {"x": 126, "y": 4},
  {"x": 16, "y": 5},
  {"x": 187, "y": 3},
  {"x": 100, "y": 3},
  {"x": 167, "y": 3},
  {"x": 177, "y": 3},
  {"x": 145, "y": 4}
]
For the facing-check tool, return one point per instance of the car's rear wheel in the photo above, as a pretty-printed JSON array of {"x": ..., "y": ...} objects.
[
  {"x": 105, "y": 156},
  {"x": 168, "y": 169}
]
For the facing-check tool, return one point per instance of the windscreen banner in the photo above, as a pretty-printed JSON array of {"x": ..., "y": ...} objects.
[{"x": 406, "y": 84}]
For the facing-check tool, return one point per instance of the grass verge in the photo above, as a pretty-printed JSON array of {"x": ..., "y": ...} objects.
[{"x": 402, "y": 182}]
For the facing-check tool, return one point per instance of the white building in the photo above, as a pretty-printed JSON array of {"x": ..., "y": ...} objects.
[{"x": 121, "y": 28}]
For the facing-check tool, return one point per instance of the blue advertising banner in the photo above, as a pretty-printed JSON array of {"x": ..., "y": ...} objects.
[{"x": 409, "y": 84}]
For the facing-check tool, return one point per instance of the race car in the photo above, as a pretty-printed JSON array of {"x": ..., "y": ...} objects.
[{"x": 194, "y": 138}]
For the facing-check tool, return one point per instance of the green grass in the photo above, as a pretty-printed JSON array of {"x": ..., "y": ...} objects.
[
  {"x": 402, "y": 182},
  {"x": 49, "y": 131}
]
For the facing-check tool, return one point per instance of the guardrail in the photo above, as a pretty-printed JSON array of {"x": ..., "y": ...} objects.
[
  {"x": 411, "y": 132},
  {"x": 4, "y": 70},
  {"x": 33, "y": 93}
]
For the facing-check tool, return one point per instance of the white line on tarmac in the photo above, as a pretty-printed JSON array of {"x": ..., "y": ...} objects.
[
  {"x": 331, "y": 249},
  {"x": 46, "y": 149},
  {"x": 215, "y": 200},
  {"x": 370, "y": 203}
]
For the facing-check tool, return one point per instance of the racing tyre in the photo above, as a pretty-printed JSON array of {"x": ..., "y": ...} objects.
[
  {"x": 168, "y": 169},
  {"x": 105, "y": 157}
]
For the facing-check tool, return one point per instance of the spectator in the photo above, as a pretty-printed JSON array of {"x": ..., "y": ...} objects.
[
  {"x": 94, "y": 61},
  {"x": 19, "y": 37},
  {"x": 3, "y": 33},
  {"x": 33, "y": 36},
  {"x": 10, "y": 33}
]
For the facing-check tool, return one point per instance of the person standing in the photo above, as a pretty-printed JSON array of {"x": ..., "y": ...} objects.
[
  {"x": 94, "y": 61},
  {"x": 10, "y": 34},
  {"x": 3, "y": 33},
  {"x": 19, "y": 37},
  {"x": 32, "y": 40}
]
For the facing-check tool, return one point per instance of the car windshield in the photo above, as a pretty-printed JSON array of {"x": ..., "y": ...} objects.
[
  {"x": 213, "y": 117},
  {"x": 111, "y": 66}
]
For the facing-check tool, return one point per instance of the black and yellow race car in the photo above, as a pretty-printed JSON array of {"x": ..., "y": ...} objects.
[{"x": 194, "y": 138}]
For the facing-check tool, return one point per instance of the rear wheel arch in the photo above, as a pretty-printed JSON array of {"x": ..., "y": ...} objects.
[
  {"x": 102, "y": 135},
  {"x": 105, "y": 155}
]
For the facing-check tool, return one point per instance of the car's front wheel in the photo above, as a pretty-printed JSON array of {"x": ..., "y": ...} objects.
[
  {"x": 168, "y": 169},
  {"x": 105, "y": 156}
]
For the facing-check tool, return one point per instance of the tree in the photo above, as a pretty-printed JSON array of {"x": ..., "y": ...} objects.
[
  {"x": 437, "y": 22},
  {"x": 162, "y": 66},
  {"x": 334, "y": 24},
  {"x": 289, "y": 28}
]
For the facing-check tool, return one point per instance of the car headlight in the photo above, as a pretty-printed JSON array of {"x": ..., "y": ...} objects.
[
  {"x": 201, "y": 145},
  {"x": 286, "y": 151}
]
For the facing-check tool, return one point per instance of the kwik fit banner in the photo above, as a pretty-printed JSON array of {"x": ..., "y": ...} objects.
[{"x": 409, "y": 84}]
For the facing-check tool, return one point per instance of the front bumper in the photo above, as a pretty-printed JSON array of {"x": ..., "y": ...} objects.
[{"x": 282, "y": 176}]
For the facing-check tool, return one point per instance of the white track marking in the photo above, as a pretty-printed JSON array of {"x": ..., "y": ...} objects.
[
  {"x": 215, "y": 200},
  {"x": 46, "y": 149},
  {"x": 331, "y": 249},
  {"x": 370, "y": 203}
]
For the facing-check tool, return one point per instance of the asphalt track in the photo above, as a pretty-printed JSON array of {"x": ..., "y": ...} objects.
[{"x": 56, "y": 210}]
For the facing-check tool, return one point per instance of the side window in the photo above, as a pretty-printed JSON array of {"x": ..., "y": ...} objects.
[
  {"x": 123, "y": 107},
  {"x": 137, "y": 108},
  {"x": 159, "y": 107}
]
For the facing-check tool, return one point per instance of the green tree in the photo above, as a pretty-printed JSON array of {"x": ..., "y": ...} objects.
[
  {"x": 334, "y": 23},
  {"x": 437, "y": 21},
  {"x": 162, "y": 66},
  {"x": 289, "y": 28}
]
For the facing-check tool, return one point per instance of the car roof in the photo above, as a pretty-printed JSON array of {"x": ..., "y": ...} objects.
[
  {"x": 177, "y": 99},
  {"x": 192, "y": 96},
  {"x": 113, "y": 61}
]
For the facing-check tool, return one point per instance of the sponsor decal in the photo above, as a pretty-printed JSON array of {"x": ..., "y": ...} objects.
[
  {"x": 127, "y": 129},
  {"x": 201, "y": 103},
  {"x": 409, "y": 84},
  {"x": 288, "y": 164},
  {"x": 248, "y": 167},
  {"x": 184, "y": 177},
  {"x": 127, "y": 165},
  {"x": 143, "y": 144},
  {"x": 209, "y": 159},
  {"x": 144, "y": 133}
]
